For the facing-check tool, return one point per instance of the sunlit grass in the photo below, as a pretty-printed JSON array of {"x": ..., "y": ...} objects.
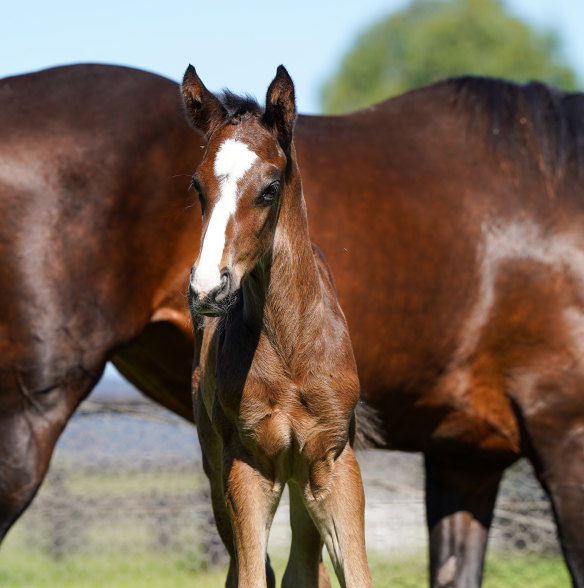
[
  {"x": 159, "y": 570},
  {"x": 124, "y": 550},
  {"x": 121, "y": 483},
  {"x": 87, "y": 571}
]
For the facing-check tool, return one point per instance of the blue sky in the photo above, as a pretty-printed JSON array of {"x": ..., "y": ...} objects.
[{"x": 235, "y": 44}]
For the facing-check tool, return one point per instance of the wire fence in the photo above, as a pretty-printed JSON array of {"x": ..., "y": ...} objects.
[{"x": 126, "y": 482}]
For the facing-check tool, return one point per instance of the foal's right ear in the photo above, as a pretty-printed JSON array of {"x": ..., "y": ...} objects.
[{"x": 204, "y": 110}]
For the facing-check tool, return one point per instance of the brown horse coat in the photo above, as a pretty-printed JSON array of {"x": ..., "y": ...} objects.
[
  {"x": 278, "y": 386},
  {"x": 451, "y": 218}
]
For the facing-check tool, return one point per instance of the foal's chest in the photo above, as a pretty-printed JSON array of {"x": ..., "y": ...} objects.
[
  {"x": 257, "y": 395},
  {"x": 249, "y": 387},
  {"x": 277, "y": 405}
]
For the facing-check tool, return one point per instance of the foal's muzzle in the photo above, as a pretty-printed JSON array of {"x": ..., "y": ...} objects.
[{"x": 213, "y": 303}]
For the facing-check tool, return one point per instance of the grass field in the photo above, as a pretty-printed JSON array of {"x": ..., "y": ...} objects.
[
  {"x": 121, "y": 553},
  {"x": 128, "y": 529},
  {"x": 33, "y": 570}
]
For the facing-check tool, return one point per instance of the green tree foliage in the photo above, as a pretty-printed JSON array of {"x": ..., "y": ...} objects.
[{"x": 433, "y": 39}]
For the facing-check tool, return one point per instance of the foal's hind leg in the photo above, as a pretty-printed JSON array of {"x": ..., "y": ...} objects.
[
  {"x": 305, "y": 567},
  {"x": 460, "y": 500},
  {"x": 338, "y": 511}
]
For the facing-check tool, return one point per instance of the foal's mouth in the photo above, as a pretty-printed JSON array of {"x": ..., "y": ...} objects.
[
  {"x": 206, "y": 311},
  {"x": 210, "y": 307}
]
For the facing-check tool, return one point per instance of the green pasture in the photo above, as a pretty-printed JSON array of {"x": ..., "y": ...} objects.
[
  {"x": 113, "y": 534},
  {"x": 25, "y": 569}
]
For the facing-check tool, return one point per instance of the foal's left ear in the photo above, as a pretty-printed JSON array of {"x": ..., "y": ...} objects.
[
  {"x": 280, "y": 111},
  {"x": 204, "y": 110}
]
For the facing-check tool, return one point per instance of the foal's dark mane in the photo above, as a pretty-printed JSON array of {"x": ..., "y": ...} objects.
[
  {"x": 542, "y": 117},
  {"x": 240, "y": 107}
]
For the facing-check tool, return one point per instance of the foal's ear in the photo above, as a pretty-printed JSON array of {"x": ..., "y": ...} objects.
[
  {"x": 281, "y": 107},
  {"x": 204, "y": 110}
]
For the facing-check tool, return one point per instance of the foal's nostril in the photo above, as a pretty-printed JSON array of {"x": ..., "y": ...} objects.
[{"x": 225, "y": 286}]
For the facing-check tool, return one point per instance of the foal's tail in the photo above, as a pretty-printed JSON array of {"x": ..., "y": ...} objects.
[{"x": 369, "y": 433}]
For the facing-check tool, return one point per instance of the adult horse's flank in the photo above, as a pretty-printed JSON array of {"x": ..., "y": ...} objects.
[
  {"x": 94, "y": 167},
  {"x": 278, "y": 383},
  {"x": 452, "y": 218}
]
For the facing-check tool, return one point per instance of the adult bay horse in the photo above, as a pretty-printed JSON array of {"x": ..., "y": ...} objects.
[
  {"x": 451, "y": 218},
  {"x": 276, "y": 385}
]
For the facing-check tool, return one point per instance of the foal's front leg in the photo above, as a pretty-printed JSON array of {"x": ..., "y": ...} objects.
[
  {"x": 212, "y": 449},
  {"x": 338, "y": 509},
  {"x": 252, "y": 500}
]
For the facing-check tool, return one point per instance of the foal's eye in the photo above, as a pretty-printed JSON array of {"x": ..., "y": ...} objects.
[
  {"x": 195, "y": 184},
  {"x": 270, "y": 193}
]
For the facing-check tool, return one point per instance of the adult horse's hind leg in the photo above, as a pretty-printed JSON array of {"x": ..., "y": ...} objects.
[
  {"x": 460, "y": 500},
  {"x": 338, "y": 511},
  {"x": 30, "y": 424}
]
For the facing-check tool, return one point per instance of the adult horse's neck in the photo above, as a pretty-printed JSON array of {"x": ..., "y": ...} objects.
[{"x": 283, "y": 295}]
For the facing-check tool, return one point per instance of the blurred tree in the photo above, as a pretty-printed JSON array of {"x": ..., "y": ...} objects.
[{"x": 433, "y": 39}]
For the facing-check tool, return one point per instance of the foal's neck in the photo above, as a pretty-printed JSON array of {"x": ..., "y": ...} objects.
[{"x": 286, "y": 291}]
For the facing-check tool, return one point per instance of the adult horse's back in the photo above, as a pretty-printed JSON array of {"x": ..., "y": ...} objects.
[{"x": 94, "y": 243}]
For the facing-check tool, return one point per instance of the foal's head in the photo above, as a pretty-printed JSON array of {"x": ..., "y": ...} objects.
[{"x": 240, "y": 181}]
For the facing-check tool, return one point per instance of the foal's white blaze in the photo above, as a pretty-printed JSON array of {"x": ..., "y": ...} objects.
[{"x": 233, "y": 159}]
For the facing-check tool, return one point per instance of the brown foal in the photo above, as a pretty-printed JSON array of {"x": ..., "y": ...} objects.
[{"x": 277, "y": 388}]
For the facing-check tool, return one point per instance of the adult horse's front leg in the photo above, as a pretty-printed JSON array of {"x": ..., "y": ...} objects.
[
  {"x": 460, "y": 501},
  {"x": 337, "y": 507},
  {"x": 557, "y": 446}
]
